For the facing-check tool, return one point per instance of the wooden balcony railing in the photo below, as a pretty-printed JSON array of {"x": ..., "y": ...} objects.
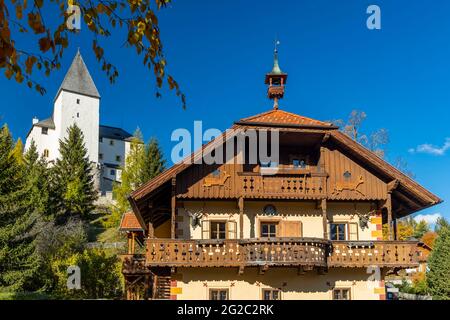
[
  {"x": 377, "y": 253},
  {"x": 236, "y": 253},
  {"x": 296, "y": 186},
  {"x": 295, "y": 252}
]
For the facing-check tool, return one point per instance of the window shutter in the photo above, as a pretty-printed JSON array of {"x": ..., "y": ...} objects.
[
  {"x": 232, "y": 232},
  {"x": 205, "y": 229},
  {"x": 353, "y": 231},
  {"x": 290, "y": 229}
]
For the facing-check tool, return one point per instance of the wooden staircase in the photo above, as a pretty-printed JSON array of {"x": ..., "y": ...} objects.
[{"x": 161, "y": 283}]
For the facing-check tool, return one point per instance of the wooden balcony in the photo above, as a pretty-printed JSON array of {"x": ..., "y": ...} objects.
[
  {"x": 236, "y": 253},
  {"x": 295, "y": 186},
  {"x": 278, "y": 252},
  {"x": 376, "y": 253}
]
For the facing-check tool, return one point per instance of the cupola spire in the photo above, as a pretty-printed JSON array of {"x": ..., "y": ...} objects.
[{"x": 276, "y": 79}]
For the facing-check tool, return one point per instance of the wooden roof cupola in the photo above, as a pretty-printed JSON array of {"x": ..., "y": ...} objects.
[{"x": 276, "y": 79}]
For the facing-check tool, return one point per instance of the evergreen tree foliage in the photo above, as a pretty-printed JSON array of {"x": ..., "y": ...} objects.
[
  {"x": 38, "y": 178},
  {"x": 441, "y": 223},
  {"x": 18, "y": 262},
  {"x": 73, "y": 185},
  {"x": 155, "y": 163},
  {"x": 438, "y": 278}
]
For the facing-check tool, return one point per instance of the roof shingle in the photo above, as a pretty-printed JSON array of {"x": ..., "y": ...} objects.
[
  {"x": 130, "y": 222},
  {"x": 281, "y": 117}
]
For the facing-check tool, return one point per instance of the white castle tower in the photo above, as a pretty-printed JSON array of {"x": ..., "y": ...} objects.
[{"x": 78, "y": 101}]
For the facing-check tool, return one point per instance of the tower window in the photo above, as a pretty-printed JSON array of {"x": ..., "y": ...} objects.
[
  {"x": 111, "y": 142},
  {"x": 46, "y": 153},
  {"x": 44, "y": 131},
  {"x": 113, "y": 172},
  {"x": 118, "y": 158},
  {"x": 100, "y": 156},
  {"x": 78, "y": 114},
  {"x": 78, "y": 101},
  {"x": 100, "y": 139}
]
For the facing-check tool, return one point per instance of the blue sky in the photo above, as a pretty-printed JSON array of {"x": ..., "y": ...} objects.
[{"x": 220, "y": 50}]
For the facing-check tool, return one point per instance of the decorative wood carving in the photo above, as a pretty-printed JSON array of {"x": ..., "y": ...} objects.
[
  {"x": 348, "y": 185},
  {"x": 216, "y": 181}
]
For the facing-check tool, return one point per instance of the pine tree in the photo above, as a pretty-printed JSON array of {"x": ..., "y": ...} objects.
[
  {"x": 18, "y": 263},
  {"x": 73, "y": 180},
  {"x": 155, "y": 163},
  {"x": 38, "y": 177},
  {"x": 438, "y": 278}
]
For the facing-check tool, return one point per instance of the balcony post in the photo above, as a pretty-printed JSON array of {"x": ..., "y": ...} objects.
[
  {"x": 241, "y": 217},
  {"x": 324, "y": 218},
  {"x": 395, "y": 228},
  {"x": 173, "y": 208},
  {"x": 388, "y": 207}
]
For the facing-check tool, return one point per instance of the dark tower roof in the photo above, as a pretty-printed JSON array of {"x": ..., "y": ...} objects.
[{"x": 78, "y": 79}]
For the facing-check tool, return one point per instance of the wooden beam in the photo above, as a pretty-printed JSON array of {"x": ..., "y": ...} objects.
[
  {"x": 388, "y": 206},
  {"x": 324, "y": 218},
  {"x": 241, "y": 217},
  {"x": 173, "y": 206}
]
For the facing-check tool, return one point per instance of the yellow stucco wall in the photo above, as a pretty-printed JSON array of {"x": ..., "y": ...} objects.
[
  {"x": 195, "y": 283},
  {"x": 306, "y": 212}
]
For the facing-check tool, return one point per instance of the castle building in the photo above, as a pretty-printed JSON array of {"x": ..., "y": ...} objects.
[
  {"x": 78, "y": 101},
  {"x": 311, "y": 229}
]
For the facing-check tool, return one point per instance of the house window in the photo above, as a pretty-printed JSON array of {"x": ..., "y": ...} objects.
[
  {"x": 111, "y": 142},
  {"x": 270, "y": 210},
  {"x": 341, "y": 294},
  {"x": 218, "y": 294},
  {"x": 271, "y": 294},
  {"x": 44, "y": 130},
  {"x": 337, "y": 231},
  {"x": 118, "y": 158},
  {"x": 100, "y": 156},
  {"x": 113, "y": 172},
  {"x": 268, "y": 229},
  {"x": 46, "y": 153},
  {"x": 218, "y": 230}
]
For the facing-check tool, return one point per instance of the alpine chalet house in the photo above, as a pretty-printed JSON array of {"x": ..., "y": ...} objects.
[{"x": 311, "y": 229}]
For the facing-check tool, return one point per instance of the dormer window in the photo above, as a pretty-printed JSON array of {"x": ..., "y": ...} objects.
[{"x": 44, "y": 131}]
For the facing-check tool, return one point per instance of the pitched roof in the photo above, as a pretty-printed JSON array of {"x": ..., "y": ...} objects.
[
  {"x": 130, "y": 222},
  {"x": 47, "y": 123},
  {"x": 114, "y": 133},
  {"x": 286, "y": 119},
  {"x": 78, "y": 79},
  {"x": 283, "y": 118}
]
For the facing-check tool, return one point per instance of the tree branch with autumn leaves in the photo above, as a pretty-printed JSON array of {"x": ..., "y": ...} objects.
[{"x": 138, "y": 17}]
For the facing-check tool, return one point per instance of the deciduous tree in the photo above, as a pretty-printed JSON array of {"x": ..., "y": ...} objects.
[{"x": 21, "y": 19}]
